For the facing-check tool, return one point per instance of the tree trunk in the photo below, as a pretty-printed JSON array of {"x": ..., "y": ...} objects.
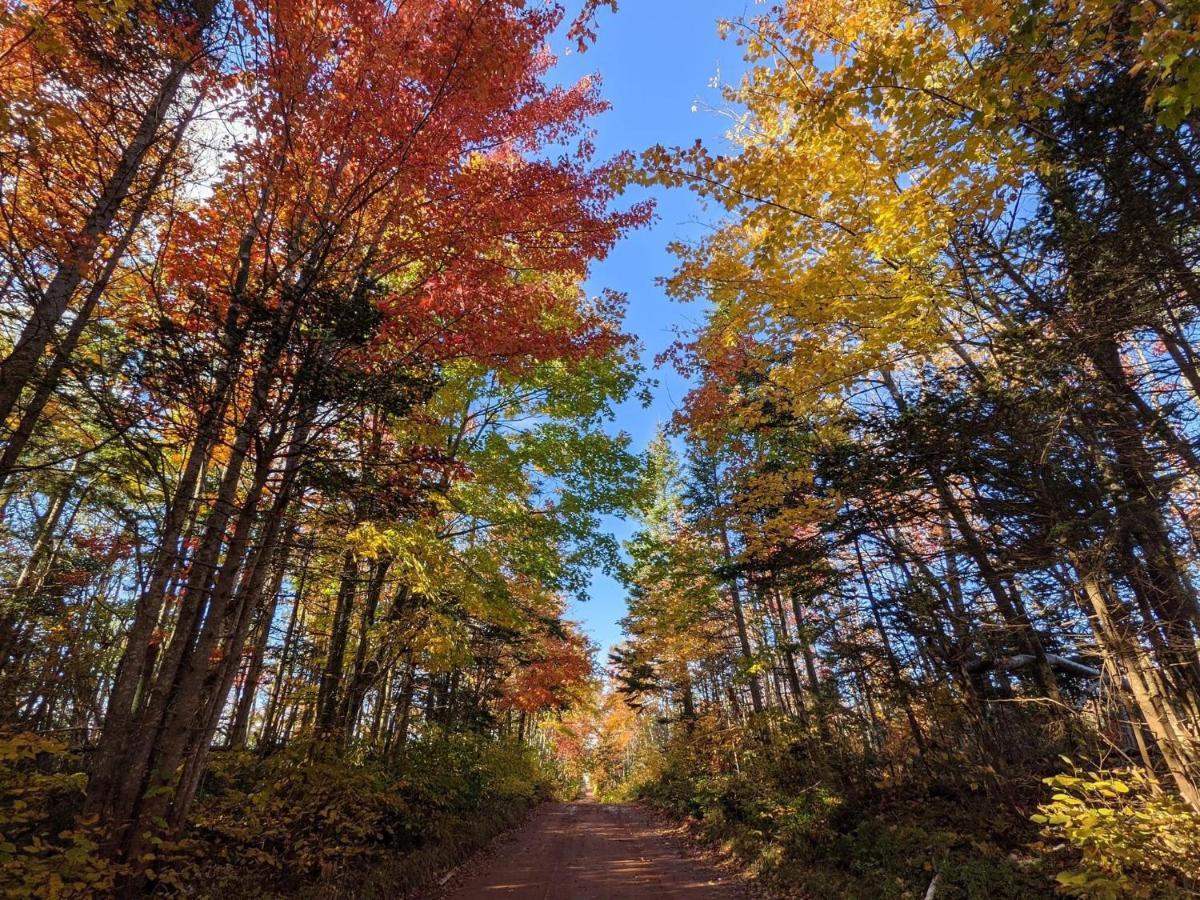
[
  {"x": 739, "y": 618},
  {"x": 18, "y": 368},
  {"x": 65, "y": 350},
  {"x": 1117, "y": 635},
  {"x": 335, "y": 659}
]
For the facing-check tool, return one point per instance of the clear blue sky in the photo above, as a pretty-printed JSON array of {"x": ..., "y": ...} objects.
[{"x": 658, "y": 60}]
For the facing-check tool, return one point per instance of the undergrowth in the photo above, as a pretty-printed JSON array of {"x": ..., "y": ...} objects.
[
  {"x": 802, "y": 826},
  {"x": 297, "y": 823},
  {"x": 847, "y": 828}
]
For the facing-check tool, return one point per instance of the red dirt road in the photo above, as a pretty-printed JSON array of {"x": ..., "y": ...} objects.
[{"x": 593, "y": 851}]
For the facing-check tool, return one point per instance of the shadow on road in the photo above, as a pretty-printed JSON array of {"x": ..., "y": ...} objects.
[{"x": 594, "y": 851}]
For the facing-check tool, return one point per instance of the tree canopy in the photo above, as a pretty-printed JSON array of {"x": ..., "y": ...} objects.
[{"x": 310, "y": 433}]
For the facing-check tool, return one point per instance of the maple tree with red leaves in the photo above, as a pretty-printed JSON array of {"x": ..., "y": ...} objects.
[
  {"x": 554, "y": 674},
  {"x": 280, "y": 242}
]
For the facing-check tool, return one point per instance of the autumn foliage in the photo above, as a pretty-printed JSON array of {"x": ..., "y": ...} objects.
[
  {"x": 934, "y": 526},
  {"x": 284, "y": 284},
  {"x": 306, "y": 421}
]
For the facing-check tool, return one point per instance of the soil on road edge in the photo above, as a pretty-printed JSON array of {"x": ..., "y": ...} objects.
[{"x": 592, "y": 851}]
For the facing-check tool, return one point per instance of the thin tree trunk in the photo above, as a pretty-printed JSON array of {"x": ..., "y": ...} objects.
[
  {"x": 65, "y": 350},
  {"x": 18, "y": 368}
]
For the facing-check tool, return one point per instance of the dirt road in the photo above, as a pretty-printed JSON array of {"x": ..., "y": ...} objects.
[{"x": 592, "y": 851}]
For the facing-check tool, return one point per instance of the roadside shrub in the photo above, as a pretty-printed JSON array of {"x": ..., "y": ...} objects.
[
  {"x": 44, "y": 850},
  {"x": 1133, "y": 841},
  {"x": 301, "y": 822},
  {"x": 799, "y": 825},
  {"x": 299, "y": 818}
]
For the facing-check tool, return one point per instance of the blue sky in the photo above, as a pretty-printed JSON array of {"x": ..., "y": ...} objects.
[{"x": 658, "y": 60}]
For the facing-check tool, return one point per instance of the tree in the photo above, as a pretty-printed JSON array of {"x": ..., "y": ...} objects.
[
  {"x": 935, "y": 341},
  {"x": 351, "y": 379}
]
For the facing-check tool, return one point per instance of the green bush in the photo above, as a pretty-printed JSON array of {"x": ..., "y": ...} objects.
[
  {"x": 45, "y": 851},
  {"x": 1132, "y": 840}
]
